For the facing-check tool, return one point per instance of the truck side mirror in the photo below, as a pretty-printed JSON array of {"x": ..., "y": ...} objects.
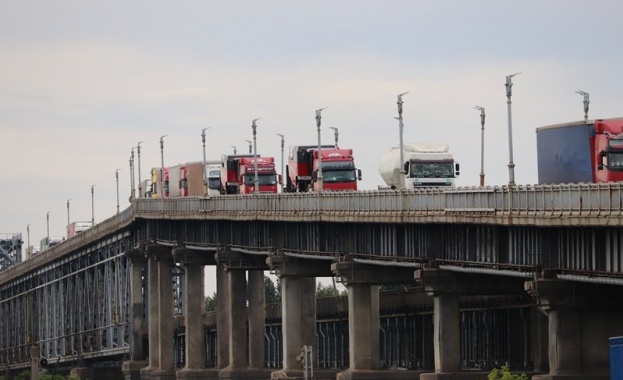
[
  {"x": 600, "y": 164},
  {"x": 315, "y": 175},
  {"x": 406, "y": 167},
  {"x": 456, "y": 168},
  {"x": 359, "y": 174},
  {"x": 279, "y": 179}
]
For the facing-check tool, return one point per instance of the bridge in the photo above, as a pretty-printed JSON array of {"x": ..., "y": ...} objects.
[{"x": 549, "y": 256}]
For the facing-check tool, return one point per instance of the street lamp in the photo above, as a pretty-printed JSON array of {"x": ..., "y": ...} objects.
[
  {"x": 511, "y": 165},
  {"x": 132, "y": 188},
  {"x": 318, "y": 123},
  {"x": 140, "y": 185},
  {"x": 162, "y": 165},
  {"x": 234, "y": 149},
  {"x": 256, "y": 180},
  {"x": 68, "y": 222},
  {"x": 205, "y": 175},
  {"x": 47, "y": 220},
  {"x": 282, "y": 144},
  {"x": 117, "y": 178},
  {"x": 401, "y": 128},
  {"x": 586, "y": 103},
  {"x": 482, "y": 144},
  {"x": 92, "y": 205},
  {"x": 250, "y": 146},
  {"x": 28, "y": 234},
  {"x": 335, "y": 134}
]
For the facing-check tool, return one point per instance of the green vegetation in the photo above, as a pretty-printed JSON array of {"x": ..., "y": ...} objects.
[
  {"x": 25, "y": 375},
  {"x": 504, "y": 373}
]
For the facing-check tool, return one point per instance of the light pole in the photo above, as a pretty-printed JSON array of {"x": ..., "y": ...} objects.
[
  {"x": 68, "y": 218},
  {"x": 318, "y": 123},
  {"x": 586, "y": 103},
  {"x": 28, "y": 235},
  {"x": 234, "y": 149},
  {"x": 335, "y": 134},
  {"x": 132, "y": 174},
  {"x": 482, "y": 144},
  {"x": 250, "y": 146},
  {"x": 256, "y": 180},
  {"x": 162, "y": 165},
  {"x": 117, "y": 178},
  {"x": 47, "y": 222},
  {"x": 140, "y": 185},
  {"x": 400, "y": 129},
  {"x": 205, "y": 175},
  {"x": 92, "y": 205},
  {"x": 511, "y": 165},
  {"x": 282, "y": 145}
]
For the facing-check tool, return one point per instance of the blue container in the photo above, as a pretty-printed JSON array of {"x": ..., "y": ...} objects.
[{"x": 616, "y": 358}]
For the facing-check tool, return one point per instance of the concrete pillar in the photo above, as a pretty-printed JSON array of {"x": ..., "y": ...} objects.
[
  {"x": 165, "y": 311},
  {"x": 154, "y": 316},
  {"x": 136, "y": 311},
  {"x": 257, "y": 317},
  {"x": 298, "y": 318},
  {"x": 363, "y": 326},
  {"x": 222, "y": 317},
  {"x": 446, "y": 334},
  {"x": 194, "y": 300},
  {"x": 237, "y": 320},
  {"x": 565, "y": 341},
  {"x": 35, "y": 356}
]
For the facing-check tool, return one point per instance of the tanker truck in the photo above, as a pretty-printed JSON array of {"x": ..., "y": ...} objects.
[
  {"x": 424, "y": 165},
  {"x": 580, "y": 152}
]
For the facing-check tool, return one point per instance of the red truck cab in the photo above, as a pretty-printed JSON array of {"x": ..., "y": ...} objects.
[
  {"x": 238, "y": 174},
  {"x": 338, "y": 169},
  {"x": 608, "y": 150}
]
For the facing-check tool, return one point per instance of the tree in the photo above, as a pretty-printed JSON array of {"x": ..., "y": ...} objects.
[
  {"x": 504, "y": 373},
  {"x": 272, "y": 292},
  {"x": 323, "y": 291},
  {"x": 210, "y": 303}
]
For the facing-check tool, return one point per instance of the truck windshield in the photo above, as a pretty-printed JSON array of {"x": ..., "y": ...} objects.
[
  {"x": 339, "y": 175},
  {"x": 431, "y": 170},
  {"x": 615, "y": 154},
  {"x": 214, "y": 183},
  {"x": 264, "y": 179}
]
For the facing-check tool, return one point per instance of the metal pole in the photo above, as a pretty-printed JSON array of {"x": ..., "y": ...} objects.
[
  {"x": 282, "y": 144},
  {"x": 511, "y": 165},
  {"x": 482, "y": 144},
  {"x": 132, "y": 175},
  {"x": 162, "y": 165},
  {"x": 586, "y": 102},
  {"x": 234, "y": 149},
  {"x": 256, "y": 180},
  {"x": 318, "y": 123},
  {"x": 92, "y": 205},
  {"x": 335, "y": 134},
  {"x": 401, "y": 146},
  {"x": 47, "y": 218},
  {"x": 28, "y": 234},
  {"x": 68, "y": 218},
  {"x": 140, "y": 184},
  {"x": 205, "y": 175},
  {"x": 117, "y": 178},
  {"x": 250, "y": 146}
]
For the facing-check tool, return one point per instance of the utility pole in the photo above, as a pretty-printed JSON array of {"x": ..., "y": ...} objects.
[
  {"x": 282, "y": 145},
  {"x": 47, "y": 219},
  {"x": 335, "y": 134},
  {"x": 586, "y": 102},
  {"x": 511, "y": 164},
  {"x": 256, "y": 179},
  {"x": 403, "y": 173},
  {"x": 318, "y": 123},
  {"x": 117, "y": 178},
  {"x": 205, "y": 175},
  {"x": 132, "y": 184},
  {"x": 68, "y": 218},
  {"x": 482, "y": 144},
  {"x": 250, "y": 146},
  {"x": 162, "y": 193},
  {"x": 92, "y": 205},
  {"x": 140, "y": 185}
]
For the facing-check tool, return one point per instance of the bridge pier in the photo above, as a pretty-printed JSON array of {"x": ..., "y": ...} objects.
[{"x": 132, "y": 368}]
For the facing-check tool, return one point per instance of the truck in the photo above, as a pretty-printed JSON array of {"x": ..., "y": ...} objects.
[
  {"x": 238, "y": 174},
  {"x": 585, "y": 151},
  {"x": 338, "y": 169},
  {"x": 424, "y": 165},
  {"x": 156, "y": 173},
  {"x": 75, "y": 228},
  {"x": 214, "y": 179}
]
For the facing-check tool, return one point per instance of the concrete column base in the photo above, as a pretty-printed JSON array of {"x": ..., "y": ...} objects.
[
  {"x": 571, "y": 377},
  {"x": 199, "y": 373},
  {"x": 131, "y": 369},
  {"x": 476, "y": 375},
  {"x": 363, "y": 374},
  {"x": 157, "y": 374},
  {"x": 247, "y": 373}
]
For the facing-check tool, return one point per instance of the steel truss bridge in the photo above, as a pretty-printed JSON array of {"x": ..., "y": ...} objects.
[{"x": 73, "y": 300}]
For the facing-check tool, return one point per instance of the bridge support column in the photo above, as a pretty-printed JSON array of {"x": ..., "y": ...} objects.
[
  {"x": 132, "y": 368},
  {"x": 257, "y": 316},
  {"x": 160, "y": 288},
  {"x": 298, "y": 298}
]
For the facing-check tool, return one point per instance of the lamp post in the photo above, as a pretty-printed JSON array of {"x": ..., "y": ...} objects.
[
  {"x": 47, "y": 222},
  {"x": 318, "y": 123},
  {"x": 205, "y": 175},
  {"x": 586, "y": 103},
  {"x": 511, "y": 165},
  {"x": 250, "y": 146},
  {"x": 234, "y": 149},
  {"x": 28, "y": 235},
  {"x": 140, "y": 185},
  {"x": 132, "y": 188},
  {"x": 335, "y": 134},
  {"x": 68, "y": 218},
  {"x": 482, "y": 144},
  {"x": 117, "y": 178},
  {"x": 92, "y": 205},
  {"x": 282, "y": 145},
  {"x": 162, "y": 165},
  {"x": 400, "y": 129},
  {"x": 256, "y": 179}
]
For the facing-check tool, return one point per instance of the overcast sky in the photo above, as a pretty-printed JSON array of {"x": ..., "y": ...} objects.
[{"x": 81, "y": 83}]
